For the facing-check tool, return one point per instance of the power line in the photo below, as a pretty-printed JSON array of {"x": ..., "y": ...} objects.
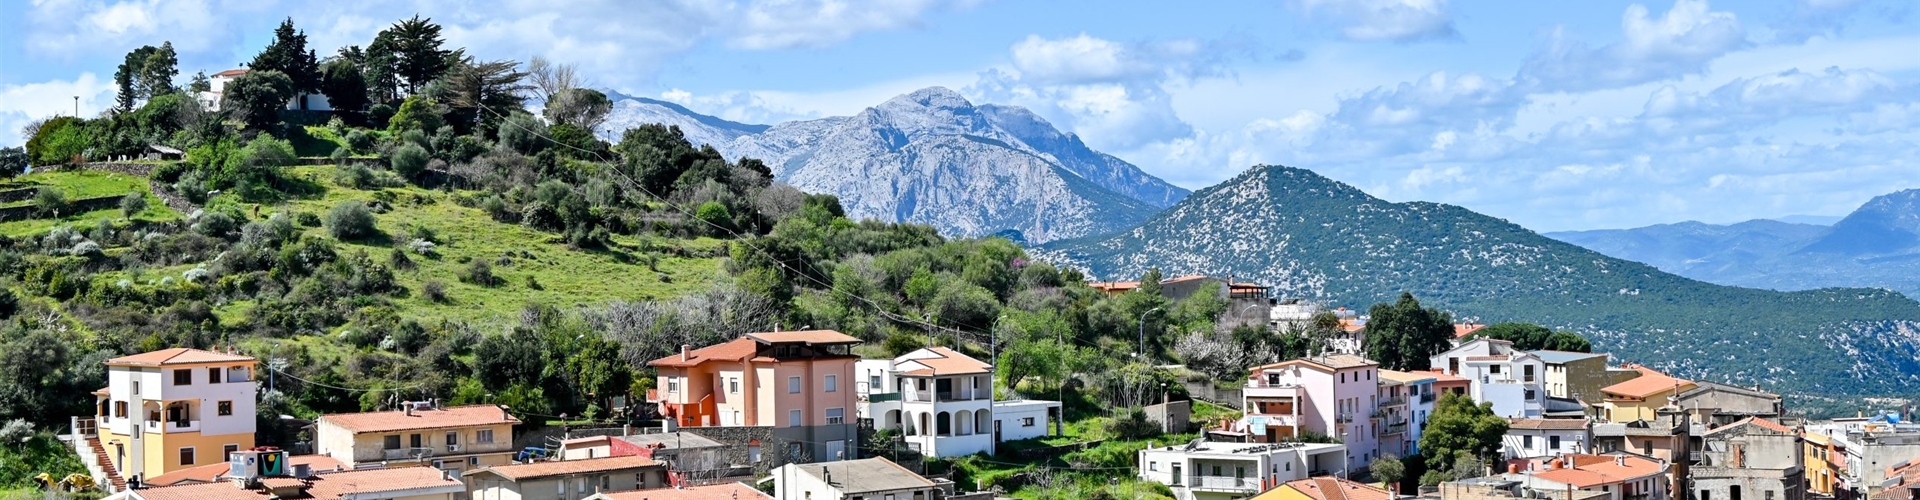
[{"x": 348, "y": 389}]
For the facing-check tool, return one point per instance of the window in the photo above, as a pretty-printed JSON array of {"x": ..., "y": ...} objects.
[
  {"x": 1553, "y": 442},
  {"x": 473, "y": 460},
  {"x": 836, "y": 416},
  {"x": 606, "y": 483},
  {"x": 1526, "y": 441},
  {"x": 1343, "y": 378},
  {"x": 183, "y": 377},
  {"x": 228, "y": 450},
  {"x": 1216, "y": 470},
  {"x": 873, "y": 381},
  {"x": 414, "y": 440},
  {"x": 119, "y": 409},
  {"x": 1026, "y": 422},
  {"x": 1273, "y": 379},
  {"x": 1176, "y": 474},
  {"x": 136, "y": 388},
  {"x": 186, "y": 456},
  {"x": 833, "y": 383},
  {"x": 1494, "y": 369},
  {"x": 226, "y": 408},
  {"x": 213, "y": 375},
  {"x": 1153, "y": 466},
  {"x": 733, "y": 385},
  {"x": 580, "y": 485},
  {"x": 453, "y": 439},
  {"x": 793, "y": 418},
  {"x": 793, "y": 385},
  {"x": 483, "y": 436},
  {"x": 393, "y": 442}
]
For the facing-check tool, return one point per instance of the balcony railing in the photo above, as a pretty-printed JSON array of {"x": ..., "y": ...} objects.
[
  {"x": 1426, "y": 398},
  {"x": 1224, "y": 483},
  {"x": 407, "y": 453},
  {"x": 1394, "y": 401},
  {"x": 883, "y": 397},
  {"x": 1394, "y": 428},
  {"x": 165, "y": 426},
  {"x": 1345, "y": 418}
]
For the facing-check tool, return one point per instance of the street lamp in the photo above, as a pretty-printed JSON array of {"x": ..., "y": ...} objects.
[{"x": 1143, "y": 332}]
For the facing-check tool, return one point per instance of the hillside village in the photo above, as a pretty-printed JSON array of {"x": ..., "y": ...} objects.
[{"x": 381, "y": 276}]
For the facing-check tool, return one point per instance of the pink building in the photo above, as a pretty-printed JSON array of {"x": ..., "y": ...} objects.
[
  {"x": 798, "y": 383},
  {"x": 1335, "y": 395}
]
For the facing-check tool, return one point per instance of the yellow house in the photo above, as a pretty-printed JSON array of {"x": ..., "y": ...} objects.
[
  {"x": 1640, "y": 398},
  {"x": 457, "y": 439},
  {"x": 172, "y": 409},
  {"x": 1823, "y": 457},
  {"x": 1325, "y": 488}
]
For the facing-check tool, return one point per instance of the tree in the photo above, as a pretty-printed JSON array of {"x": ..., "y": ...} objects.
[
  {"x": 133, "y": 203},
  {"x": 13, "y": 162},
  {"x": 288, "y": 54},
  {"x": 409, "y": 160},
  {"x": 346, "y": 89},
  {"x": 1403, "y": 335},
  {"x": 1532, "y": 337},
  {"x": 1458, "y": 426},
  {"x": 200, "y": 83},
  {"x": 413, "y": 47},
  {"x": 584, "y": 108},
  {"x": 1150, "y": 281},
  {"x": 1388, "y": 470},
  {"x": 494, "y": 85},
  {"x": 551, "y": 79},
  {"x": 129, "y": 75},
  {"x": 417, "y": 113},
  {"x": 157, "y": 72},
  {"x": 258, "y": 97},
  {"x": 349, "y": 220},
  {"x": 1567, "y": 341}
]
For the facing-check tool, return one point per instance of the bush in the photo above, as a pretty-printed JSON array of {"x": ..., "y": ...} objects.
[
  {"x": 308, "y": 219},
  {"x": 350, "y": 220},
  {"x": 133, "y": 203},
  {"x": 434, "y": 291},
  {"x": 478, "y": 272},
  {"x": 13, "y": 161},
  {"x": 409, "y": 160},
  {"x": 360, "y": 141},
  {"x": 215, "y": 224},
  {"x": 49, "y": 202}
]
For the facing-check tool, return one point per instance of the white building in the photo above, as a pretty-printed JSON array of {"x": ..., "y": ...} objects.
[
  {"x": 1530, "y": 438},
  {"x": 217, "y": 88},
  {"x": 1212, "y": 470},
  {"x": 939, "y": 399},
  {"x": 1019, "y": 419},
  {"x": 865, "y": 479},
  {"x": 1334, "y": 396},
  {"x": 1513, "y": 380}
]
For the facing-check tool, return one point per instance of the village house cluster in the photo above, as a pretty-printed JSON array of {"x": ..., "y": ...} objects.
[{"x": 789, "y": 410}]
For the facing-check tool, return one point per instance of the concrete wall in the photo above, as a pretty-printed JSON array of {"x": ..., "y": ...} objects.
[
  {"x": 1581, "y": 379},
  {"x": 1725, "y": 483},
  {"x": 1175, "y": 416},
  {"x": 1531, "y": 443},
  {"x": 575, "y": 487}
]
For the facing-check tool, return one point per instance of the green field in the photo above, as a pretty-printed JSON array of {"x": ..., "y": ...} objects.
[{"x": 79, "y": 184}]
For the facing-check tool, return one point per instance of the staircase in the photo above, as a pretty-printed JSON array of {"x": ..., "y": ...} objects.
[{"x": 105, "y": 464}]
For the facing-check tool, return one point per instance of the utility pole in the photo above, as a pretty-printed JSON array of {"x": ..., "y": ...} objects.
[
  {"x": 1143, "y": 333},
  {"x": 76, "y": 106}
]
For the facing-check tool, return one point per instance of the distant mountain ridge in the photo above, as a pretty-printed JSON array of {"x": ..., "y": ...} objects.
[
  {"x": 1312, "y": 237},
  {"x": 1878, "y": 245},
  {"x": 933, "y": 157}
]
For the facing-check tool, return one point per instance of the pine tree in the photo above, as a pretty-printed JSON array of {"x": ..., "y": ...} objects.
[
  {"x": 129, "y": 75},
  {"x": 158, "y": 70},
  {"x": 288, "y": 54}
]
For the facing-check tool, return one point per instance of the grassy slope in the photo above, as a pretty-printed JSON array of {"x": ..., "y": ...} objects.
[
  {"x": 565, "y": 277},
  {"x": 77, "y": 185}
]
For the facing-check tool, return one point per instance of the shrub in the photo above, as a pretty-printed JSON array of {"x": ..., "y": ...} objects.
[
  {"x": 49, "y": 202},
  {"x": 497, "y": 209},
  {"x": 215, "y": 224},
  {"x": 422, "y": 247},
  {"x": 399, "y": 260},
  {"x": 478, "y": 272},
  {"x": 308, "y": 219},
  {"x": 350, "y": 220},
  {"x": 360, "y": 141},
  {"x": 434, "y": 291},
  {"x": 13, "y": 161},
  {"x": 133, "y": 203},
  {"x": 409, "y": 160},
  {"x": 192, "y": 186},
  {"x": 339, "y": 156}
]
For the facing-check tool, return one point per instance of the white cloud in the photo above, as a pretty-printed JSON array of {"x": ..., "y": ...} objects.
[
  {"x": 21, "y": 104},
  {"x": 1075, "y": 60},
  {"x": 781, "y": 24},
  {"x": 1681, "y": 42},
  {"x": 1385, "y": 20}
]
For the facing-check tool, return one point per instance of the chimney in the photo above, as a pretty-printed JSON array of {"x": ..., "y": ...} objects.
[
  {"x": 407, "y": 407},
  {"x": 503, "y": 413},
  {"x": 446, "y": 474},
  {"x": 683, "y": 351},
  {"x": 1620, "y": 460}
]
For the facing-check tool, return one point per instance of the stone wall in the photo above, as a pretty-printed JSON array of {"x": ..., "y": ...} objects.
[
  {"x": 738, "y": 441},
  {"x": 24, "y": 212}
]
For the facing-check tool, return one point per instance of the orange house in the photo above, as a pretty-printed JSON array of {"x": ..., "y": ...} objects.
[{"x": 799, "y": 384}]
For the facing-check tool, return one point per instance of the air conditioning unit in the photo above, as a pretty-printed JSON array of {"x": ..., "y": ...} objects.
[{"x": 453, "y": 448}]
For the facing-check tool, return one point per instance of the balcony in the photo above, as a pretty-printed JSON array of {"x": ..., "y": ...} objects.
[
  {"x": 1393, "y": 401},
  {"x": 1224, "y": 483},
  {"x": 883, "y": 397},
  {"x": 407, "y": 453},
  {"x": 164, "y": 427},
  {"x": 1265, "y": 390},
  {"x": 1344, "y": 418},
  {"x": 1394, "y": 428},
  {"x": 1426, "y": 398},
  {"x": 940, "y": 396}
]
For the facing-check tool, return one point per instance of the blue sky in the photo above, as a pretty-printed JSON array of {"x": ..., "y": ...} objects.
[{"x": 1555, "y": 115}]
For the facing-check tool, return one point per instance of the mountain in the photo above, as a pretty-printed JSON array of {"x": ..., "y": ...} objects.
[
  {"x": 1875, "y": 246},
  {"x": 1312, "y": 237},
  {"x": 1817, "y": 220},
  {"x": 932, "y": 157}
]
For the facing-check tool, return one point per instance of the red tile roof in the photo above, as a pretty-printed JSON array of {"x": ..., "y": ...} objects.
[
  {"x": 388, "y": 421},
  {"x": 728, "y": 491},
  {"x": 178, "y": 356},
  {"x": 232, "y": 72},
  {"x": 1327, "y": 488},
  {"x": 733, "y": 350},
  {"x": 536, "y": 470},
  {"x": 1649, "y": 383},
  {"x": 1114, "y": 286},
  {"x": 808, "y": 336},
  {"x": 1587, "y": 471},
  {"x": 1557, "y": 424},
  {"x": 212, "y": 472},
  {"x": 331, "y": 486},
  {"x": 1331, "y": 362},
  {"x": 1462, "y": 330},
  {"x": 949, "y": 362}
]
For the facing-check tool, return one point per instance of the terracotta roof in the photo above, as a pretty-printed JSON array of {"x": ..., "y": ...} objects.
[
  {"x": 1554, "y": 424},
  {"x": 538, "y": 470},
  {"x": 949, "y": 362},
  {"x": 1115, "y": 286},
  {"x": 1327, "y": 488},
  {"x": 1649, "y": 383},
  {"x": 1588, "y": 471},
  {"x": 211, "y": 472},
  {"x": 808, "y": 336},
  {"x": 1756, "y": 422},
  {"x": 1486, "y": 358},
  {"x": 1352, "y": 325},
  {"x": 1461, "y": 330},
  {"x": 369, "y": 482},
  {"x": 232, "y": 72},
  {"x": 1404, "y": 377},
  {"x": 733, "y": 350},
  {"x": 1900, "y": 479},
  {"x": 1440, "y": 376},
  {"x": 178, "y": 356},
  {"x": 728, "y": 491},
  {"x": 388, "y": 421},
  {"x": 1184, "y": 279}
]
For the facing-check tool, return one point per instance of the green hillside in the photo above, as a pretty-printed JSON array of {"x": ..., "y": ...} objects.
[{"x": 1316, "y": 238}]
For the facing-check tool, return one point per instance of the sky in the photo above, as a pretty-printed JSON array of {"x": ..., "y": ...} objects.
[{"x": 1553, "y": 115}]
